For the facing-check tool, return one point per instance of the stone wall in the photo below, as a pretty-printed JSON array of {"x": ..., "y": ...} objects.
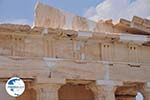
[{"x": 50, "y": 17}]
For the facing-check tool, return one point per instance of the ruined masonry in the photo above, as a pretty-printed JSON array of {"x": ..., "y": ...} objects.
[{"x": 67, "y": 57}]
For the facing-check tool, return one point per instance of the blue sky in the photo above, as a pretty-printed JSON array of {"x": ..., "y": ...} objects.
[{"x": 23, "y": 10}]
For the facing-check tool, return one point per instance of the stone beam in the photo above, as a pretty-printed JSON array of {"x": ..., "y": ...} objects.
[{"x": 44, "y": 80}]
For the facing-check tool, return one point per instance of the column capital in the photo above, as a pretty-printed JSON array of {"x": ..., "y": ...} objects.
[
  {"x": 48, "y": 83},
  {"x": 47, "y": 91},
  {"x": 147, "y": 84},
  {"x": 104, "y": 89},
  {"x": 147, "y": 87}
]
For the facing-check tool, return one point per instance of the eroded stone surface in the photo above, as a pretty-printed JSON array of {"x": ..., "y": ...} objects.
[
  {"x": 66, "y": 49},
  {"x": 50, "y": 17}
]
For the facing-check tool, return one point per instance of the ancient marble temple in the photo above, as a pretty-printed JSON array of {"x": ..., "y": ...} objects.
[{"x": 67, "y": 57}]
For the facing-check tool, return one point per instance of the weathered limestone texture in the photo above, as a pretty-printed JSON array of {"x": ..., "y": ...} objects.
[
  {"x": 75, "y": 92},
  {"x": 104, "y": 89},
  {"x": 147, "y": 91},
  {"x": 50, "y": 17},
  {"x": 105, "y": 93},
  {"x": 47, "y": 92},
  {"x": 80, "y": 24},
  {"x": 63, "y": 54},
  {"x": 147, "y": 94}
]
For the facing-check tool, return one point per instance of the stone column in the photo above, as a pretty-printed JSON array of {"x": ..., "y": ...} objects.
[
  {"x": 47, "y": 88},
  {"x": 105, "y": 93},
  {"x": 147, "y": 94},
  {"x": 147, "y": 91},
  {"x": 104, "y": 90},
  {"x": 47, "y": 91}
]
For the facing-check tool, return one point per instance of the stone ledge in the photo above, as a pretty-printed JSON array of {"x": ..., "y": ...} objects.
[
  {"x": 43, "y": 80},
  {"x": 109, "y": 82}
]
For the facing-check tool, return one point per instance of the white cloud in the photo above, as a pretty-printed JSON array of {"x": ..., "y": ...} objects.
[
  {"x": 90, "y": 12},
  {"x": 148, "y": 17},
  {"x": 115, "y": 9},
  {"x": 18, "y": 21}
]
